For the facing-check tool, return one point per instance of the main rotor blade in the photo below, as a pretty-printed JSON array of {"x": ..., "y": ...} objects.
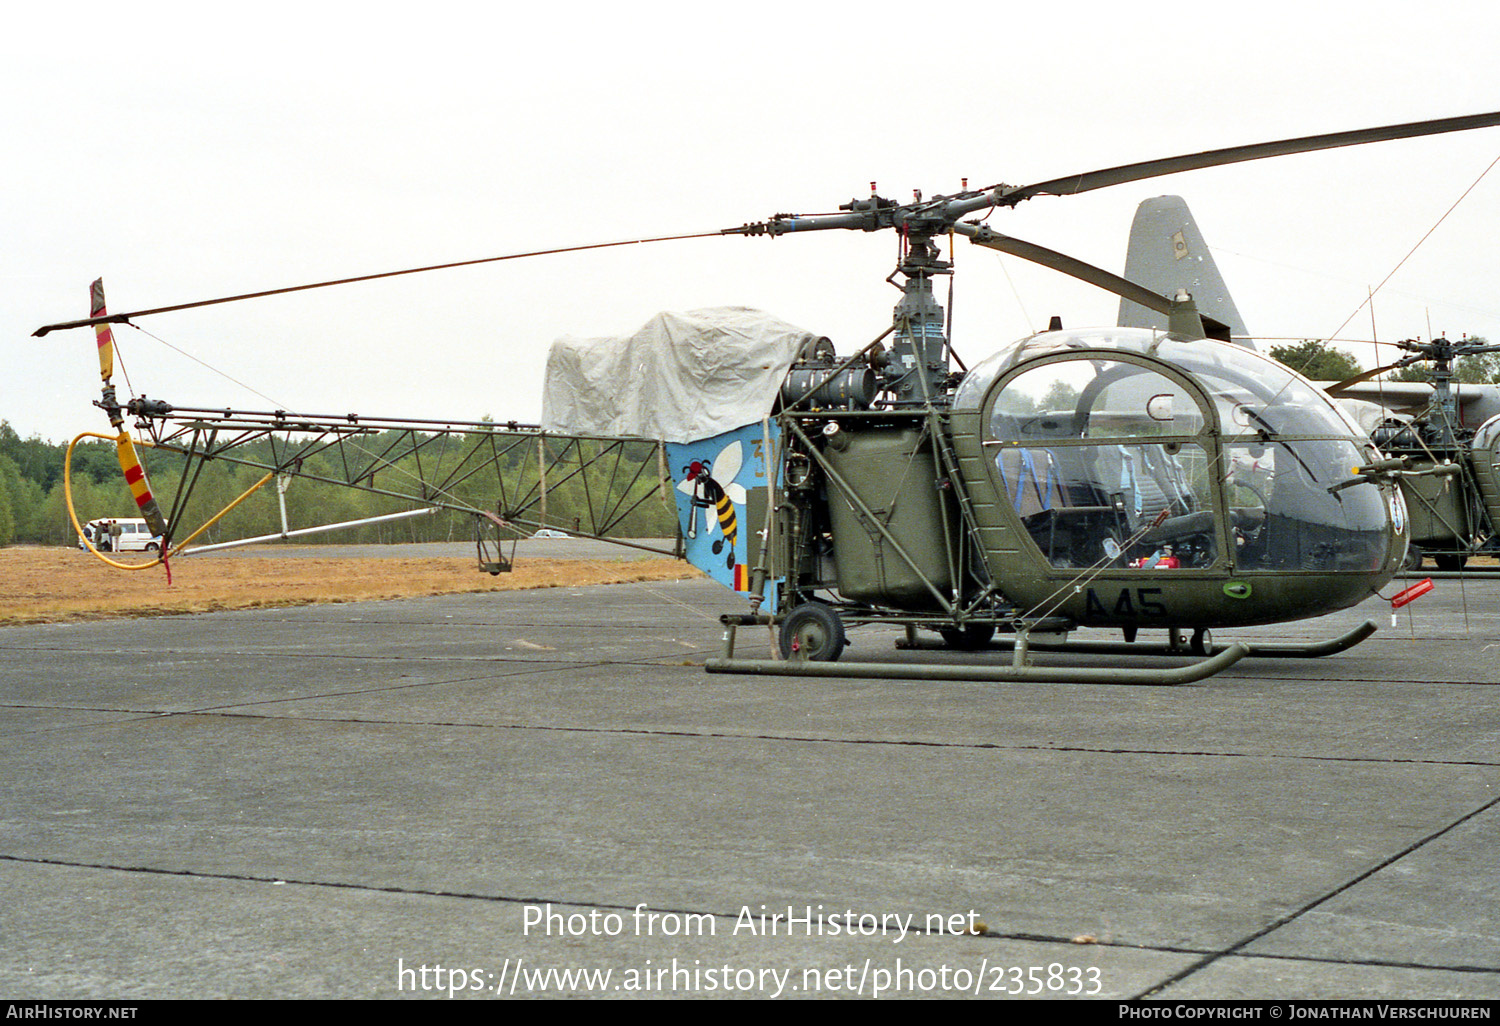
[
  {"x": 984, "y": 236},
  {"x": 122, "y": 318},
  {"x": 1348, "y": 383},
  {"x": 1091, "y": 180}
]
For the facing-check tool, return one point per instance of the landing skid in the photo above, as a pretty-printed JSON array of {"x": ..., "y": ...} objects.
[
  {"x": 1175, "y": 646},
  {"x": 1020, "y": 669},
  {"x": 1283, "y": 650},
  {"x": 999, "y": 674}
]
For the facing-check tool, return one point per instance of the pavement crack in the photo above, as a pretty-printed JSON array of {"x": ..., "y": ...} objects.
[
  {"x": 1237, "y": 948},
  {"x": 818, "y": 923},
  {"x": 234, "y": 710},
  {"x": 1373, "y": 963}
]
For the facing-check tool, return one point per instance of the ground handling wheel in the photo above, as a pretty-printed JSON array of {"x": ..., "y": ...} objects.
[
  {"x": 1451, "y": 562},
  {"x": 1202, "y": 643},
  {"x": 970, "y": 637},
  {"x": 1413, "y": 559},
  {"x": 812, "y": 632}
]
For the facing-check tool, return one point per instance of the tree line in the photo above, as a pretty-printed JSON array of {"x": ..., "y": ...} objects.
[{"x": 1320, "y": 361}]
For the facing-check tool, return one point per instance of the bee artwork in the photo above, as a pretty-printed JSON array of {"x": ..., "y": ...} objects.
[
  {"x": 701, "y": 479},
  {"x": 715, "y": 482}
]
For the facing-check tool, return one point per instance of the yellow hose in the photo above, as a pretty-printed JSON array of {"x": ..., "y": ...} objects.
[{"x": 163, "y": 557}]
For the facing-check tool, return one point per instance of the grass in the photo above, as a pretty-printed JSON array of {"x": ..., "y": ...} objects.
[{"x": 51, "y": 585}]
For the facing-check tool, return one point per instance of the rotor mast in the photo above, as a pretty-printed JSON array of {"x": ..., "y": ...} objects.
[
  {"x": 917, "y": 366},
  {"x": 1442, "y": 411}
]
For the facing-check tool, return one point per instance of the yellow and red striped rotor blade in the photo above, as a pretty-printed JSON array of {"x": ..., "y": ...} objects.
[
  {"x": 102, "y": 332},
  {"x": 130, "y": 463},
  {"x": 140, "y": 488}
]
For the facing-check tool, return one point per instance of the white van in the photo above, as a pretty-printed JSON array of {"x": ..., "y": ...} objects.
[{"x": 120, "y": 534}]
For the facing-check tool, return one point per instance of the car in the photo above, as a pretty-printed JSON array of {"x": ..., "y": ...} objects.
[
  {"x": 120, "y": 534},
  {"x": 547, "y": 532}
]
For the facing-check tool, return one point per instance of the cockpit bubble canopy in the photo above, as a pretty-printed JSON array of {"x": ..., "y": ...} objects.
[{"x": 1121, "y": 435}]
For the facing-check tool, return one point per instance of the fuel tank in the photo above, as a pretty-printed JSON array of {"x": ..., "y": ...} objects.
[{"x": 889, "y": 520}]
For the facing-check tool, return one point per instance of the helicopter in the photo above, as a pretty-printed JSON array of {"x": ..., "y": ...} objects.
[
  {"x": 1449, "y": 434},
  {"x": 1121, "y": 478},
  {"x": 1443, "y": 432}
]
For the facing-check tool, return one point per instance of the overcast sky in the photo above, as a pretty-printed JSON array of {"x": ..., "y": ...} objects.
[{"x": 192, "y": 151}]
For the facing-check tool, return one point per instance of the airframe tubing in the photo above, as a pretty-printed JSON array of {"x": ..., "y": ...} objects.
[
  {"x": 303, "y": 531},
  {"x": 998, "y": 674}
]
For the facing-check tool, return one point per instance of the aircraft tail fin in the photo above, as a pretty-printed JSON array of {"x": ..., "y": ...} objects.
[{"x": 1167, "y": 253}]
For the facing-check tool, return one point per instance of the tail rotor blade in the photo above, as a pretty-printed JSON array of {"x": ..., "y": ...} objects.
[{"x": 102, "y": 331}]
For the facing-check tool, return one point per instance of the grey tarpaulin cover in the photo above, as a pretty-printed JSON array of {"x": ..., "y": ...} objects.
[{"x": 681, "y": 377}]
